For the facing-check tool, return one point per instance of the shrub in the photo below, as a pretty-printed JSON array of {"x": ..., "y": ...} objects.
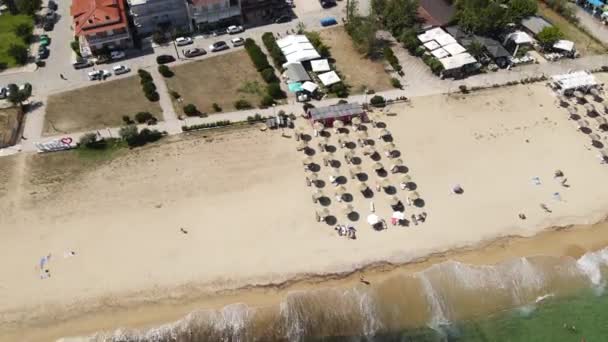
[
  {"x": 339, "y": 89},
  {"x": 75, "y": 45},
  {"x": 269, "y": 76},
  {"x": 549, "y": 36},
  {"x": 130, "y": 134},
  {"x": 255, "y": 118},
  {"x": 159, "y": 38},
  {"x": 148, "y": 87},
  {"x": 396, "y": 83},
  {"x": 266, "y": 101},
  {"x": 144, "y": 75},
  {"x": 143, "y": 117},
  {"x": 174, "y": 94},
  {"x": 127, "y": 120},
  {"x": 88, "y": 139},
  {"x": 153, "y": 97},
  {"x": 146, "y": 135},
  {"x": 191, "y": 110},
  {"x": 274, "y": 50},
  {"x": 419, "y": 51},
  {"x": 242, "y": 104},
  {"x": 409, "y": 40},
  {"x": 165, "y": 71},
  {"x": 207, "y": 125},
  {"x": 274, "y": 90},
  {"x": 256, "y": 54},
  {"x": 19, "y": 53},
  {"x": 392, "y": 59},
  {"x": 24, "y": 31},
  {"x": 463, "y": 89},
  {"x": 217, "y": 107},
  {"x": 377, "y": 101}
]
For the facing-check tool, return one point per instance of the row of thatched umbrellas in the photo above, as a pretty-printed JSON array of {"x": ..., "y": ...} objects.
[{"x": 355, "y": 170}]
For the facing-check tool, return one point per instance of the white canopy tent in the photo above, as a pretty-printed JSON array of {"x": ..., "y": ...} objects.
[
  {"x": 297, "y": 48},
  {"x": 574, "y": 80},
  {"x": 309, "y": 86},
  {"x": 445, "y": 39},
  {"x": 454, "y": 49},
  {"x": 431, "y": 34},
  {"x": 519, "y": 38},
  {"x": 458, "y": 61},
  {"x": 564, "y": 45},
  {"x": 320, "y": 65},
  {"x": 329, "y": 78},
  {"x": 440, "y": 53},
  {"x": 431, "y": 45}
]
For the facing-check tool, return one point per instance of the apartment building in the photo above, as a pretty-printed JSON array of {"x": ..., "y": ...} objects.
[
  {"x": 209, "y": 13},
  {"x": 151, "y": 15}
]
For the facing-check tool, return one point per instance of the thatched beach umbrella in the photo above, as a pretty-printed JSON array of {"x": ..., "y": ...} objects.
[
  {"x": 563, "y": 101},
  {"x": 317, "y": 195},
  {"x": 348, "y": 209},
  {"x": 389, "y": 147},
  {"x": 582, "y": 124},
  {"x": 340, "y": 190},
  {"x": 362, "y": 187},
  {"x": 369, "y": 150},
  {"x": 396, "y": 164},
  {"x": 579, "y": 95},
  {"x": 384, "y": 133},
  {"x": 605, "y": 108},
  {"x": 313, "y": 177},
  {"x": 356, "y": 121},
  {"x": 302, "y": 145},
  {"x": 323, "y": 213},
  {"x": 413, "y": 197},
  {"x": 405, "y": 179},
  {"x": 326, "y": 155},
  {"x": 354, "y": 171},
  {"x": 572, "y": 110},
  {"x": 589, "y": 107},
  {"x": 377, "y": 166},
  {"x": 349, "y": 154},
  {"x": 595, "y": 137},
  {"x": 393, "y": 200},
  {"x": 385, "y": 183},
  {"x": 338, "y": 124},
  {"x": 318, "y": 126},
  {"x": 307, "y": 160},
  {"x": 343, "y": 136},
  {"x": 362, "y": 135},
  {"x": 596, "y": 94},
  {"x": 601, "y": 120}
]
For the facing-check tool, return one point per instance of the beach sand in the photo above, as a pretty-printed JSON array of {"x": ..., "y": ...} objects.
[{"x": 242, "y": 198}]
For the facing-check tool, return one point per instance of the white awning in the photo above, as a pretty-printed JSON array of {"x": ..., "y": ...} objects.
[
  {"x": 329, "y": 78},
  {"x": 445, "y": 39},
  {"x": 454, "y": 49},
  {"x": 564, "y": 45},
  {"x": 431, "y": 34},
  {"x": 297, "y": 48},
  {"x": 520, "y": 37},
  {"x": 320, "y": 65},
  {"x": 440, "y": 53},
  {"x": 309, "y": 86},
  {"x": 574, "y": 80},
  {"x": 431, "y": 45}
]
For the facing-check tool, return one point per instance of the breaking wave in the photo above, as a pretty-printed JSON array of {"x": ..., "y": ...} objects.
[{"x": 435, "y": 297}]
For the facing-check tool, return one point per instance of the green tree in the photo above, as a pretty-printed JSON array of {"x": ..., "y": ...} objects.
[
  {"x": 19, "y": 53},
  {"x": 130, "y": 134},
  {"x": 190, "y": 110},
  {"x": 143, "y": 117},
  {"x": 519, "y": 9},
  {"x": 18, "y": 96},
  {"x": 400, "y": 14},
  {"x": 548, "y": 36},
  {"x": 475, "y": 49},
  {"x": 29, "y": 7},
  {"x": 378, "y": 7},
  {"x": 300, "y": 27},
  {"x": 274, "y": 90},
  {"x": 24, "y": 31},
  {"x": 165, "y": 71}
]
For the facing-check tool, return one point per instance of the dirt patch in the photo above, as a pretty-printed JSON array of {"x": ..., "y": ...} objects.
[
  {"x": 10, "y": 121},
  {"x": 96, "y": 107},
  {"x": 585, "y": 44},
  {"x": 359, "y": 72},
  {"x": 222, "y": 79}
]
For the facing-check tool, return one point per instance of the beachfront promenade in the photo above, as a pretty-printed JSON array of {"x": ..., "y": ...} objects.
[{"x": 33, "y": 124}]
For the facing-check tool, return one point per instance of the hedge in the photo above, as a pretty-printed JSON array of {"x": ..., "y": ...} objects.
[
  {"x": 392, "y": 59},
  {"x": 275, "y": 51},
  {"x": 256, "y": 54},
  {"x": 207, "y": 125}
]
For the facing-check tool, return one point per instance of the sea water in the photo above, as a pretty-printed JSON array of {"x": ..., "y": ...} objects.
[{"x": 524, "y": 299}]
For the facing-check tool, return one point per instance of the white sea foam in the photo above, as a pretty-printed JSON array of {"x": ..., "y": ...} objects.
[{"x": 591, "y": 263}]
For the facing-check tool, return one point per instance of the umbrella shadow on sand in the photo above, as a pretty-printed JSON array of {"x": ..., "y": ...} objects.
[
  {"x": 310, "y": 151},
  {"x": 331, "y": 148},
  {"x": 325, "y": 201},
  {"x": 320, "y": 184},
  {"x": 356, "y": 161},
  {"x": 347, "y": 198},
  {"x": 331, "y": 220},
  {"x": 353, "y": 216},
  {"x": 314, "y": 167},
  {"x": 306, "y": 137}
]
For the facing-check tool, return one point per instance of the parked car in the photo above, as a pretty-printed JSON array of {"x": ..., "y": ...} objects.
[
  {"x": 235, "y": 29},
  {"x": 3, "y": 92},
  {"x": 52, "y": 5},
  {"x": 44, "y": 40},
  {"x": 181, "y": 41},
  {"x": 102, "y": 59},
  {"x": 327, "y": 3},
  {"x": 218, "y": 46},
  {"x": 95, "y": 75},
  {"x": 237, "y": 41},
  {"x": 219, "y": 32},
  {"x": 282, "y": 19},
  {"x": 81, "y": 64},
  {"x": 49, "y": 16},
  {"x": 194, "y": 52},
  {"x": 8, "y": 88},
  {"x": 43, "y": 52},
  {"x": 115, "y": 55},
  {"x": 26, "y": 87},
  {"x": 48, "y": 26},
  {"x": 329, "y": 21},
  {"x": 164, "y": 59},
  {"x": 120, "y": 69}
]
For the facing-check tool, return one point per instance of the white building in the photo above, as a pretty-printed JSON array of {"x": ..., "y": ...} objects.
[{"x": 152, "y": 15}]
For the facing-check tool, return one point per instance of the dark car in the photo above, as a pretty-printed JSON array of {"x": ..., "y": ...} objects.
[
  {"x": 219, "y": 32},
  {"x": 164, "y": 59},
  {"x": 194, "y": 52},
  {"x": 48, "y": 26},
  {"x": 327, "y": 3},
  {"x": 218, "y": 46},
  {"x": 282, "y": 19},
  {"x": 52, "y": 5},
  {"x": 43, "y": 52}
]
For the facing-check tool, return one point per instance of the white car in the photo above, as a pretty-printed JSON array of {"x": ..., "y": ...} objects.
[
  {"x": 114, "y": 55},
  {"x": 181, "y": 41},
  {"x": 99, "y": 75},
  {"x": 218, "y": 46},
  {"x": 237, "y": 41},
  {"x": 120, "y": 69},
  {"x": 235, "y": 29}
]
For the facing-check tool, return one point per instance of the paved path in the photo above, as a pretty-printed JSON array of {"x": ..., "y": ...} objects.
[
  {"x": 592, "y": 24},
  {"x": 164, "y": 98}
]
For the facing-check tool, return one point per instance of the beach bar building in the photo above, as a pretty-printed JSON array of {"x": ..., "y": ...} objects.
[{"x": 327, "y": 115}]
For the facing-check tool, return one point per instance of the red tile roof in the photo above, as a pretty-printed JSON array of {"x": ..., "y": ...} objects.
[{"x": 92, "y": 16}]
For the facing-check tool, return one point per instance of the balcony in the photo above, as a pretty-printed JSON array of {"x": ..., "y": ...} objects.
[{"x": 255, "y": 4}]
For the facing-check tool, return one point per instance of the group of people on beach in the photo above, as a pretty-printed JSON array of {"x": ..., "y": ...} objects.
[{"x": 347, "y": 231}]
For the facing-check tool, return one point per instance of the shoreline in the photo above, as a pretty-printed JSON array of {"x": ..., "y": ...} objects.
[{"x": 145, "y": 311}]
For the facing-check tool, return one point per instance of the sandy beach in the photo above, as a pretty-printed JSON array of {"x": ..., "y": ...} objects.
[{"x": 242, "y": 198}]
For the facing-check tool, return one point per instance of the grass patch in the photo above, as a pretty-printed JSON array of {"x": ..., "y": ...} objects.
[
  {"x": 96, "y": 107},
  {"x": 359, "y": 72},
  {"x": 112, "y": 150},
  {"x": 10, "y": 120},
  {"x": 584, "y": 43},
  {"x": 7, "y": 37},
  {"x": 252, "y": 87},
  {"x": 219, "y": 79}
]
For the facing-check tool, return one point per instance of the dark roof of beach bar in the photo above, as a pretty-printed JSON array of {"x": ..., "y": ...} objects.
[{"x": 336, "y": 111}]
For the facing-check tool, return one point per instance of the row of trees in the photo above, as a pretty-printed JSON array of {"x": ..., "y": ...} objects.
[
  {"x": 275, "y": 51},
  {"x": 489, "y": 17},
  {"x": 28, "y": 7},
  {"x": 259, "y": 59},
  {"x": 148, "y": 86}
]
